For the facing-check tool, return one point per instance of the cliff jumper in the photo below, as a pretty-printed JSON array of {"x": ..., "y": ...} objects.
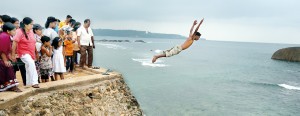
[{"x": 177, "y": 49}]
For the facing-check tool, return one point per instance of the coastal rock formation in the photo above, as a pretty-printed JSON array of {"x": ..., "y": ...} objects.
[
  {"x": 288, "y": 54},
  {"x": 104, "y": 40},
  {"x": 110, "y": 97},
  {"x": 141, "y": 41}
]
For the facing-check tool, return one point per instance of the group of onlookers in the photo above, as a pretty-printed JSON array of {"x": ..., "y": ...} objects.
[{"x": 42, "y": 53}]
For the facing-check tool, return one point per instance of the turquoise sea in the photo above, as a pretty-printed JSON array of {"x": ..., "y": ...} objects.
[{"x": 211, "y": 78}]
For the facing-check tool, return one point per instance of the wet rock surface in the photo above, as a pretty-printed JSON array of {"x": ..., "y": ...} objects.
[{"x": 110, "y": 97}]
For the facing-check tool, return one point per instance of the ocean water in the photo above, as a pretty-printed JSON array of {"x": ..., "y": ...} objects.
[{"x": 211, "y": 78}]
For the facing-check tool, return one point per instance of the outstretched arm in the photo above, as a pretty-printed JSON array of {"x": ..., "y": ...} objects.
[
  {"x": 192, "y": 28},
  {"x": 196, "y": 30}
]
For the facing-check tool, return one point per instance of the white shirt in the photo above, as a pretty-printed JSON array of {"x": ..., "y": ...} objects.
[
  {"x": 50, "y": 33},
  {"x": 38, "y": 43},
  {"x": 85, "y": 36}
]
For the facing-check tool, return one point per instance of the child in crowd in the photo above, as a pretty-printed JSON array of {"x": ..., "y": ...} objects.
[
  {"x": 37, "y": 30},
  {"x": 76, "y": 49},
  {"x": 45, "y": 61},
  {"x": 58, "y": 58},
  {"x": 68, "y": 46}
]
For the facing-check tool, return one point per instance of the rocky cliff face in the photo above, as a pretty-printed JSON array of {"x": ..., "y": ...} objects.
[
  {"x": 109, "y": 97},
  {"x": 288, "y": 54}
]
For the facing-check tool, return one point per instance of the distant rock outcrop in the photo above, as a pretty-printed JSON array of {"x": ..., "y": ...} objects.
[
  {"x": 104, "y": 40},
  {"x": 140, "y": 41},
  {"x": 288, "y": 54}
]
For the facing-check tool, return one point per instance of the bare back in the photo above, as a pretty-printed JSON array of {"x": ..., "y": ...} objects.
[{"x": 188, "y": 42}]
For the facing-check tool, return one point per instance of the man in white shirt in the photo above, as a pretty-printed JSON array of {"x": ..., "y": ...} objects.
[{"x": 86, "y": 43}]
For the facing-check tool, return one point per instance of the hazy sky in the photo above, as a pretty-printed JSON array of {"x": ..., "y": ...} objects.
[{"x": 273, "y": 21}]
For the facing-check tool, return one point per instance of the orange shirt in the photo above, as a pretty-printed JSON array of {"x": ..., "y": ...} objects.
[{"x": 68, "y": 47}]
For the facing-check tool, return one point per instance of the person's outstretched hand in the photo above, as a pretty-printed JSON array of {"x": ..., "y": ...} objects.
[
  {"x": 195, "y": 22},
  {"x": 201, "y": 21}
]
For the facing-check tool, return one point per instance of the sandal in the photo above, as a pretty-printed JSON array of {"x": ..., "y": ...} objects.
[
  {"x": 36, "y": 86},
  {"x": 3, "y": 88},
  {"x": 96, "y": 67}
]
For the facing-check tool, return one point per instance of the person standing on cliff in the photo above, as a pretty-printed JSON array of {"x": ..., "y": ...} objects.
[
  {"x": 86, "y": 43},
  {"x": 8, "y": 79},
  {"x": 26, "y": 49},
  {"x": 177, "y": 49}
]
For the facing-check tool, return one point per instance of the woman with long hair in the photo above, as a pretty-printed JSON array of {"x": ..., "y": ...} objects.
[{"x": 25, "y": 41}]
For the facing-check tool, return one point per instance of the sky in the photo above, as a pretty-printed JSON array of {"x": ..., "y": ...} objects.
[{"x": 268, "y": 21}]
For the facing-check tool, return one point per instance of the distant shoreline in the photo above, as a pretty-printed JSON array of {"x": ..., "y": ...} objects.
[{"x": 135, "y": 34}]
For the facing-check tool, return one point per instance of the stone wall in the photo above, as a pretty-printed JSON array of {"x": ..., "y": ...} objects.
[{"x": 108, "y": 97}]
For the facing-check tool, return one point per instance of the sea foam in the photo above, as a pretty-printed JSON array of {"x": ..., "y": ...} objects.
[
  {"x": 286, "y": 86},
  {"x": 112, "y": 46},
  {"x": 147, "y": 62}
]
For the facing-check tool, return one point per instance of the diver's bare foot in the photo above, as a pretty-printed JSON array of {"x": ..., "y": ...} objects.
[{"x": 154, "y": 59}]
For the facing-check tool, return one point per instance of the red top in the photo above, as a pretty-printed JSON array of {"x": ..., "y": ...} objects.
[
  {"x": 24, "y": 45},
  {"x": 5, "y": 43}
]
